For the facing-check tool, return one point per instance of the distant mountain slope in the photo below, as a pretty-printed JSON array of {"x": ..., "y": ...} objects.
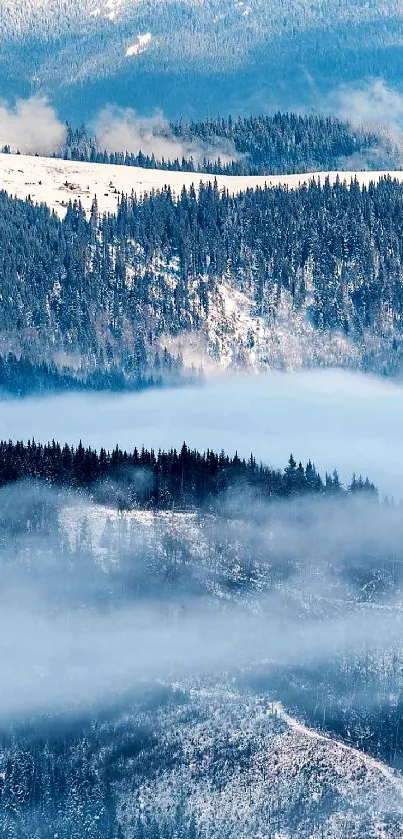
[
  {"x": 36, "y": 15},
  {"x": 192, "y": 57}
]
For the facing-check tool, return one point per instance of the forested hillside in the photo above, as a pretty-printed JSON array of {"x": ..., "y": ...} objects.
[
  {"x": 279, "y": 144},
  {"x": 201, "y": 58},
  {"x": 132, "y": 610},
  {"x": 269, "y": 277}
]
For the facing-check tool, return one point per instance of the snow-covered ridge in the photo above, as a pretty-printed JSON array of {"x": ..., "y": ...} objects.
[{"x": 56, "y": 182}]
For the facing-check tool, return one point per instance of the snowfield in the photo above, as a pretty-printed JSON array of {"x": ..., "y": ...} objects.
[{"x": 55, "y": 182}]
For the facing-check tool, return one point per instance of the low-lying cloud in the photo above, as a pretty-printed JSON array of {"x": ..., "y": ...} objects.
[
  {"x": 338, "y": 419},
  {"x": 31, "y": 126},
  {"x": 122, "y": 130},
  {"x": 373, "y": 105},
  {"x": 70, "y": 640}
]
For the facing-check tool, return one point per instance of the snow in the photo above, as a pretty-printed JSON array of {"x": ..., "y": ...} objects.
[
  {"x": 112, "y": 7},
  {"x": 138, "y": 526},
  {"x": 241, "y": 757},
  {"x": 234, "y": 336},
  {"x": 283, "y": 765},
  {"x": 392, "y": 778},
  {"x": 243, "y": 8},
  {"x": 140, "y": 45},
  {"x": 56, "y": 182}
]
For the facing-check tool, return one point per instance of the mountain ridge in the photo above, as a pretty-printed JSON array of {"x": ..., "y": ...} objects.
[
  {"x": 264, "y": 55},
  {"x": 55, "y": 182}
]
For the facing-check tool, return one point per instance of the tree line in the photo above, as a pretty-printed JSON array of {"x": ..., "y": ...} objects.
[
  {"x": 281, "y": 143},
  {"x": 21, "y": 377},
  {"x": 166, "y": 479}
]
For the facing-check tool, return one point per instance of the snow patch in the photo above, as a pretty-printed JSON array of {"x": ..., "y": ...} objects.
[
  {"x": 282, "y": 765},
  {"x": 139, "y": 46},
  {"x": 239, "y": 337}
]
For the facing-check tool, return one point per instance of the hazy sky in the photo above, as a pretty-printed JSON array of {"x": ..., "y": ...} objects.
[{"x": 336, "y": 418}]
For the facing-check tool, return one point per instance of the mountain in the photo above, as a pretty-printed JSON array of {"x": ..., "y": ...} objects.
[
  {"x": 159, "y": 55},
  {"x": 196, "y": 644}
]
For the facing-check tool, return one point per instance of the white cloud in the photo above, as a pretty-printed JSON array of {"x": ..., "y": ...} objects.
[
  {"x": 31, "y": 126},
  {"x": 122, "y": 130},
  {"x": 372, "y": 103}
]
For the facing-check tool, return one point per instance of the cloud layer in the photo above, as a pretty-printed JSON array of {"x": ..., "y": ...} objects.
[
  {"x": 340, "y": 419},
  {"x": 31, "y": 126},
  {"x": 76, "y": 633},
  {"x": 371, "y": 103},
  {"x": 375, "y": 106},
  {"x": 122, "y": 130}
]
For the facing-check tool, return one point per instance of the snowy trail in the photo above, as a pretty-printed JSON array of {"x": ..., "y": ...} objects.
[
  {"x": 392, "y": 777},
  {"x": 55, "y": 182}
]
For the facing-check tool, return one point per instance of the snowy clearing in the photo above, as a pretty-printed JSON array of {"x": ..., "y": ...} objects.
[{"x": 56, "y": 182}]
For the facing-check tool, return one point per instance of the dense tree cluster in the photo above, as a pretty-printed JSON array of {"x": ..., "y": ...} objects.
[
  {"x": 286, "y": 143},
  {"x": 65, "y": 287},
  {"x": 338, "y": 247},
  {"x": 22, "y": 377},
  {"x": 108, "y": 292},
  {"x": 283, "y": 143},
  {"x": 180, "y": 479}
]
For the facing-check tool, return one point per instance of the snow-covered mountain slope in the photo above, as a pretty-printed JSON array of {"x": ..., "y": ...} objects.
[
  {"x": 237, "y": 760},
  {"x": 231, "y": 332},
  {"x": 248, "y": 767},
  {"x": 37, "y": 15},
  {"x": 234, "y": 337},
  {"x": 55, "y": 182}
]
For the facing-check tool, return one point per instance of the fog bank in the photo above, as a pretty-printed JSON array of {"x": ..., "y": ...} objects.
[{"x": 339, "y": 419}]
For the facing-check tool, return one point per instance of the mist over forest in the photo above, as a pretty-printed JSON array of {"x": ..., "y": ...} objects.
[
  {"x": 201, "y": 413},
  {"x": 339, "y": 419},
  {"x": 128, "y": 628}
]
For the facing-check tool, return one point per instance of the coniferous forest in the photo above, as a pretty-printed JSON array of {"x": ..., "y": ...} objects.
[
  {"x": 112, "y": 291},
  {"x": 165, "y": 480},
  {"x": 258, "y": 145}
]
